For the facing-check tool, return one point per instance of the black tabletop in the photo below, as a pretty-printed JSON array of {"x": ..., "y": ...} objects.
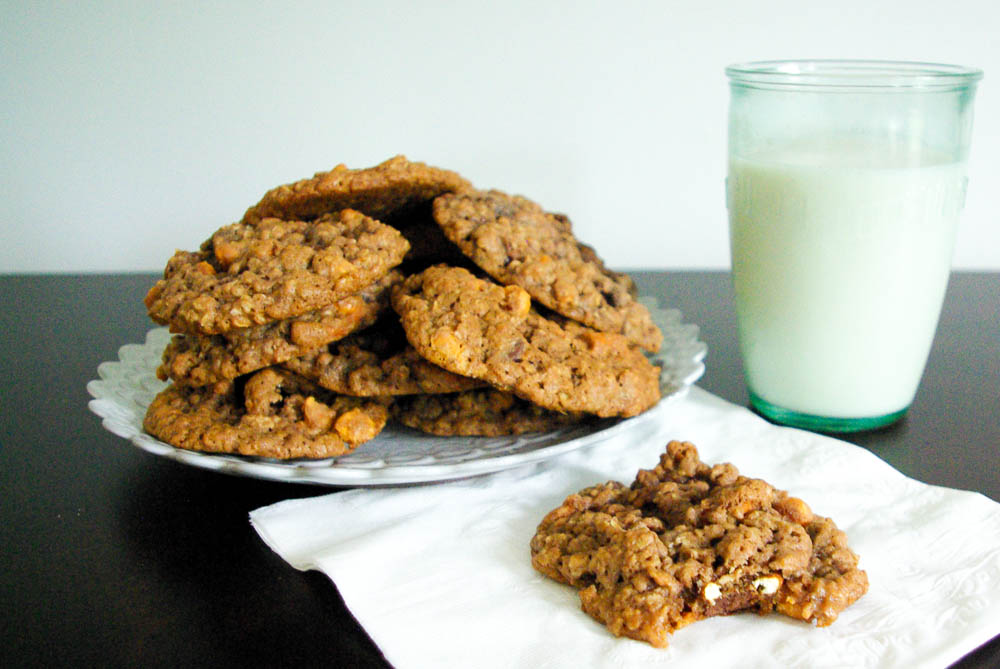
[{"x": 110, "y": 556}]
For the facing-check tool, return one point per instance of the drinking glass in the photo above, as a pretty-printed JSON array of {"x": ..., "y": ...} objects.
[{"x": 845, "y": 184}]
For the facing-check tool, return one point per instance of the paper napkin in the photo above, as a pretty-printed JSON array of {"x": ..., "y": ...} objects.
[{"x": 440, "y": 575}]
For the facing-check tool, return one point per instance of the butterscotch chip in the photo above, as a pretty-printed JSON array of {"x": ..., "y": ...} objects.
[
  {"x": 251, "y": 275},
  {"x": 273, "y": 414},
  {"x": 687, "y": 541},
  {"x": 485, "y": 412},
  {"x": 197, "y": 360},
  {"x": 476, "y": 328},
  {"x": 377, "y": 362},
  {"x": 518, "y": 243},
  {"x": 385, "y": 192}
]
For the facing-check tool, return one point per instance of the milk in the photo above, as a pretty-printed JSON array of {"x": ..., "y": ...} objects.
[{"x": 840, "y": 259}]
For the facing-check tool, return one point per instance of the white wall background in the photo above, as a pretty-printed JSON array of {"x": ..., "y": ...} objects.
[{"x": 134, "y": 128}]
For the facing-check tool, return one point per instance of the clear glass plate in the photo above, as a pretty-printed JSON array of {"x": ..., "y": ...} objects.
[{"x": 399, "y": 455}]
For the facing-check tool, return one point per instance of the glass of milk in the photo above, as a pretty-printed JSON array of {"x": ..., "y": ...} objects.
[{"x": 845, "y": 184}]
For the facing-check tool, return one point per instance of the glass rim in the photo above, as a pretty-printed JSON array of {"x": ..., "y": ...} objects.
[{"x": 838, "y": 74}]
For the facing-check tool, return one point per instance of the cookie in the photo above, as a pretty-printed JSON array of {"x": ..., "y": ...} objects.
[
  {"x": 687, "y": 541},
  {"x": 476, "y": 328},
  {"x": 384, "y": 192},
  {"x": 251, "y": 275},
  {"x": 196, "y": 360},
  {"x": 271, "y": 414},
  {"x": 485, "y": 412},
  {"x": 377, "y": 362},
  {"x": 518, "y": 243}
]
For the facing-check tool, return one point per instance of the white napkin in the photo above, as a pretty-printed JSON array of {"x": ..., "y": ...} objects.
[{"x": 440, "y": 575}]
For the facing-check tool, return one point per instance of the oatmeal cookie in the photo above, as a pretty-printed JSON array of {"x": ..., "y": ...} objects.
[
  {"x": 377, "y": 362},
  {"x": 251, "y": 275},
  {"x": 197, "y": 360},
  {"x": 383, "y": 192},
  {"x": 486, "y": 412},
  {"x": 270, "y": 414},
  {"x": 518, "y": 243},
  {"x": 476, "y": 328},
  {"x": 687, "y": 541}
]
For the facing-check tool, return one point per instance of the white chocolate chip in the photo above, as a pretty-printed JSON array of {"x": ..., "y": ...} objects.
[
  {"x": 711, "y": 592},
  {"x": 767, "y": 585}
]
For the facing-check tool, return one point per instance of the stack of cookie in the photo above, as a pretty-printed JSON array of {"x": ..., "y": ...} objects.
[{"x": 397, "y": 291}]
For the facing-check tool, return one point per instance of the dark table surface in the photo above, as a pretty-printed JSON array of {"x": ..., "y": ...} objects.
[{"x": 110, "y": 556}]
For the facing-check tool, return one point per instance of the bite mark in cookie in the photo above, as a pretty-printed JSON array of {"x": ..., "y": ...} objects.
[
  {"x": 251, "y": 275},
  {"x": 518, "y": 243},
  {"x": 476, "y": 328},
  {"x": 687, "y": 541}
]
